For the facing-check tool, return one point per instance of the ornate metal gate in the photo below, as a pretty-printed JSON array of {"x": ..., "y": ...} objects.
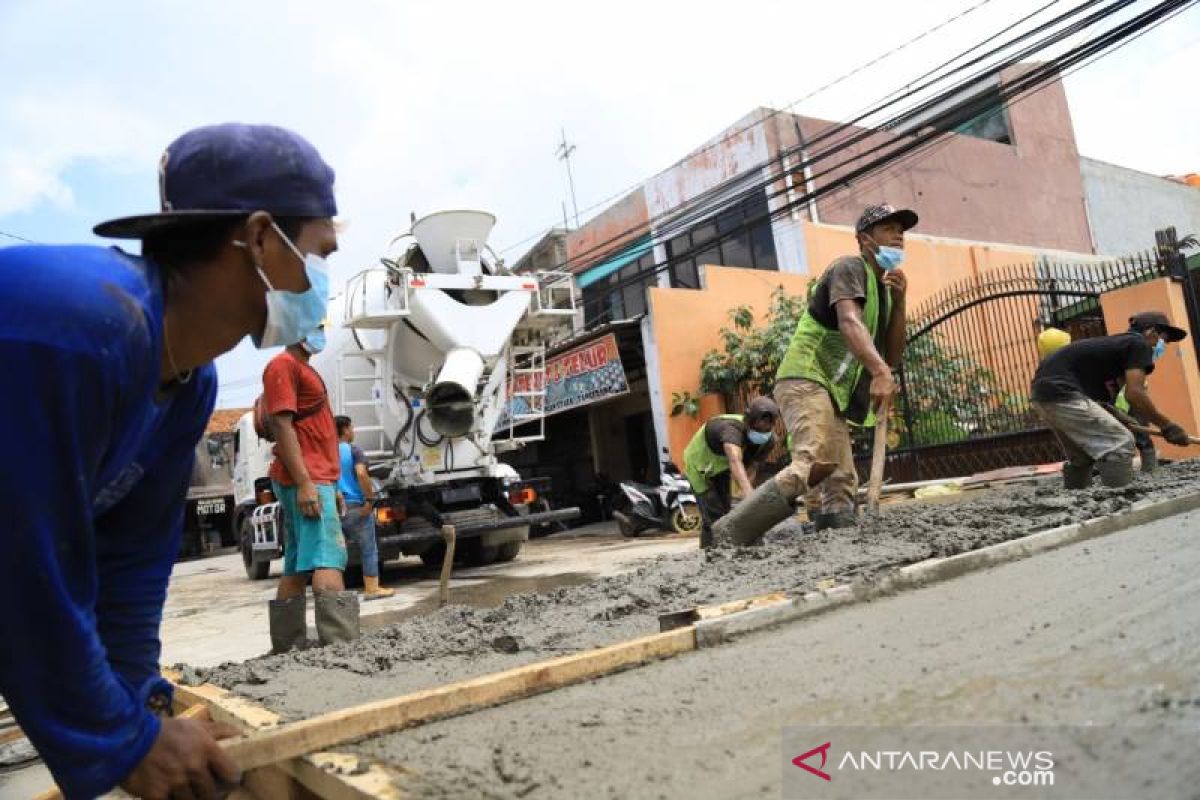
[{"x": 963, "y": 405}]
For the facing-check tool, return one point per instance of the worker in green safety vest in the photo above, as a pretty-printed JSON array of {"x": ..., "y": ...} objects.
[
  {"x": 728, "y": 448},
  {"x": 835, "y": 373}
]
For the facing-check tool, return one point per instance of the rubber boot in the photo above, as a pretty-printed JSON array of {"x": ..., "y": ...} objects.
[
  {"x": 1077, "y": 476},
  {"x": 827, "y": 520},
  {"x": 372, "y": 590},
  {"x": 754, "y": 516},
  {"x": 287, "y": 624},
  {"x": 1149, "y": 460},
  {"x": 1115, "y": 471},
  {"x": 337, "y": 617}
]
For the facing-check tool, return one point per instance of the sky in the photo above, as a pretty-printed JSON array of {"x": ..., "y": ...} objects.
[{"x": 424, "y": 106}]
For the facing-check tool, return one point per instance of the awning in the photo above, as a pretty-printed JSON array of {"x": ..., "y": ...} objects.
[{"x": 603, "y": 270}]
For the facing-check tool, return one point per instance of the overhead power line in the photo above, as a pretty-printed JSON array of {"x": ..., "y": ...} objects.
[
  {"x": 8, "y": 235},
  {"x": 718, "y": 198},
  {"x": 732, "y": 134},
  {"x": 1024, "y": 86}
]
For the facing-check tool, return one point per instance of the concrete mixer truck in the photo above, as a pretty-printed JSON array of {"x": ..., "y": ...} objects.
[{"x": 438, "y": 357}]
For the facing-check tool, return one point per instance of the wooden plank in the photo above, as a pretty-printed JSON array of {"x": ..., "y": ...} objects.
[
  {"x": 383, "y": 716},
  {"x": 333, "y": 776},
  {"x": 679, "y": 619},
  {"x": 11, "y": 734}
]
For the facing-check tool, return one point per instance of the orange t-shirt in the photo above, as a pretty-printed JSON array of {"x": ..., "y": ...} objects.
[{"x": 291, "y": 385}]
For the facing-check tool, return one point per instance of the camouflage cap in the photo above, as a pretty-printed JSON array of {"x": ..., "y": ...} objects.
[{"x": 873, "y": 215}]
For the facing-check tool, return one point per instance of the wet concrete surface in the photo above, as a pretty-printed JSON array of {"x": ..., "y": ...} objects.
[
  {"x": 457, "y": 642},
  {"x": 1102, "y": 633},
  {"x": 214, "y": 614},
  {"x": 489, "y": 593}
]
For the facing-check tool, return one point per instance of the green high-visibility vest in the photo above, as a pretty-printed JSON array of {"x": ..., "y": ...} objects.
[
  {"x": 700, "y": 463},
  {"x": 821, "y": 355}
]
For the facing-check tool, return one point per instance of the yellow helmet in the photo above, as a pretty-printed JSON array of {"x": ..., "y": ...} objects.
[{"x": 1050, "y": 340}]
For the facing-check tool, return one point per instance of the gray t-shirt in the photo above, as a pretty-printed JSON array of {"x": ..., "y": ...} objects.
[{"x": 846, "y": 279}]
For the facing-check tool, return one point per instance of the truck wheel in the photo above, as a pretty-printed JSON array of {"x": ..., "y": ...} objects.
[
  {"x": 477, "y": 554},
  {"x": 508, "y": 551},
  {"x": 255, "y": 570},
  {"x": 434, "y": 556}
]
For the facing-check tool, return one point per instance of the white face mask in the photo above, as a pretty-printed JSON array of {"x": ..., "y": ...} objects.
[{"x": 292, "y": 316}]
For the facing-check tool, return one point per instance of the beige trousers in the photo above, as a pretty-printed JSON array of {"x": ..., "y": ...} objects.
[{"x": 818, "y": 434}]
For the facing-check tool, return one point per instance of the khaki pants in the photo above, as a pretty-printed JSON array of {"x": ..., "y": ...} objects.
[
  {"x": 1086, "y": 431},
  {"x": 818, "y": 434}
]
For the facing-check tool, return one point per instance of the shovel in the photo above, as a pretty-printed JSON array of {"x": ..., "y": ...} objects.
[{"x": 1137, "y": 427}]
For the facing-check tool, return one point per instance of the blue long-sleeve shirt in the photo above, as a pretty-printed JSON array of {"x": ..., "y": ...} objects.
[{"x": 94, "y": 468}]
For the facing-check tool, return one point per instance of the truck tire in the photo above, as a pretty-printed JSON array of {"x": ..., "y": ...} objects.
[
  {"x": 477, "y": 554},
  {"x": 255, "y": 570},
  {"x": 508, "y": 551},
  {"x": 433, "y": 557}
]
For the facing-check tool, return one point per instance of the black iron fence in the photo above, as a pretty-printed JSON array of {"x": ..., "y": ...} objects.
[{"x": 963, "y": 404}]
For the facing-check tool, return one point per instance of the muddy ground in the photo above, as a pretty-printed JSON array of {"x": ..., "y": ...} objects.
[{"x": 459, "y": 642}]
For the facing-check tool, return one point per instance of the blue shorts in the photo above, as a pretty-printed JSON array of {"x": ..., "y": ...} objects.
[{"x": 312, "y": 542}]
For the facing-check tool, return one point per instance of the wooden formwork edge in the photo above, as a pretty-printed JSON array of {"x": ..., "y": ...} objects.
[
  {"x": 334, "y": 776},
  {"x": 271, "y": 748},
  {"x": 713, "y": 627}
]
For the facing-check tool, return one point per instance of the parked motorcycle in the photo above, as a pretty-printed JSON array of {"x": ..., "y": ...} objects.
[{"x": 670, "y": 506}]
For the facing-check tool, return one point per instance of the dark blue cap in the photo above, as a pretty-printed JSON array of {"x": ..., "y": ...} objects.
[{"x": 232, "y": 170}]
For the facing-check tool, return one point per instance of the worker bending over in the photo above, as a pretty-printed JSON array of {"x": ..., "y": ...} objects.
[
  {"x": 728, "y": 448},
  {"x": 1071, "y": 384}
]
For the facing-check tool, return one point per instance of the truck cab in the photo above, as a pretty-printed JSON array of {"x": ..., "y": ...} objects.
[{"x": 257, "y": 519}]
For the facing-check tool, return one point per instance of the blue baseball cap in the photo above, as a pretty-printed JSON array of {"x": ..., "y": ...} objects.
[{"x": 233, "y": 170}]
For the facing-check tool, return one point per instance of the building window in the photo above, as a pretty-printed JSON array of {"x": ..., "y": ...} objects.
[
  {"x": 607, "y": 299},
  {"x": 992, "y": 124},
  {"x": 741, "y": 237}
]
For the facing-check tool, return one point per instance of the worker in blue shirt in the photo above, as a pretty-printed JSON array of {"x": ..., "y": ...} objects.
[{"x": 111, "y": 383}]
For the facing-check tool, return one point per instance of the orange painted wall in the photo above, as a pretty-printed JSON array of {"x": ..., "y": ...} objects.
[
  {"x": 931, "y": 263},
  {"x": 687, "y": 322},
  {"x": 686, "y": 326},
  {"x": 1175, "y": 384}
]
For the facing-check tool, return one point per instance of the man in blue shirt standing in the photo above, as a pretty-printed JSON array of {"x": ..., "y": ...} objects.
[
  {"x": 111, "y": 356},
  {"x": 359, "y": 520}
]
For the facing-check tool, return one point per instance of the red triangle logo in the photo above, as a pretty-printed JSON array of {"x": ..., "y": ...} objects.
[{"x": 800, "y": 759}]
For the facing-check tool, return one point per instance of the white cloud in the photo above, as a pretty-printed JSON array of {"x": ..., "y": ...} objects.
[
  {"x": 42, "y": 137},
  {"x": 421, "y": 106}
]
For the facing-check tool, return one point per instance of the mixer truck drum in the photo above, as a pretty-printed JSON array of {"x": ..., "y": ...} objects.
[{"x": 451, "y": 410}]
